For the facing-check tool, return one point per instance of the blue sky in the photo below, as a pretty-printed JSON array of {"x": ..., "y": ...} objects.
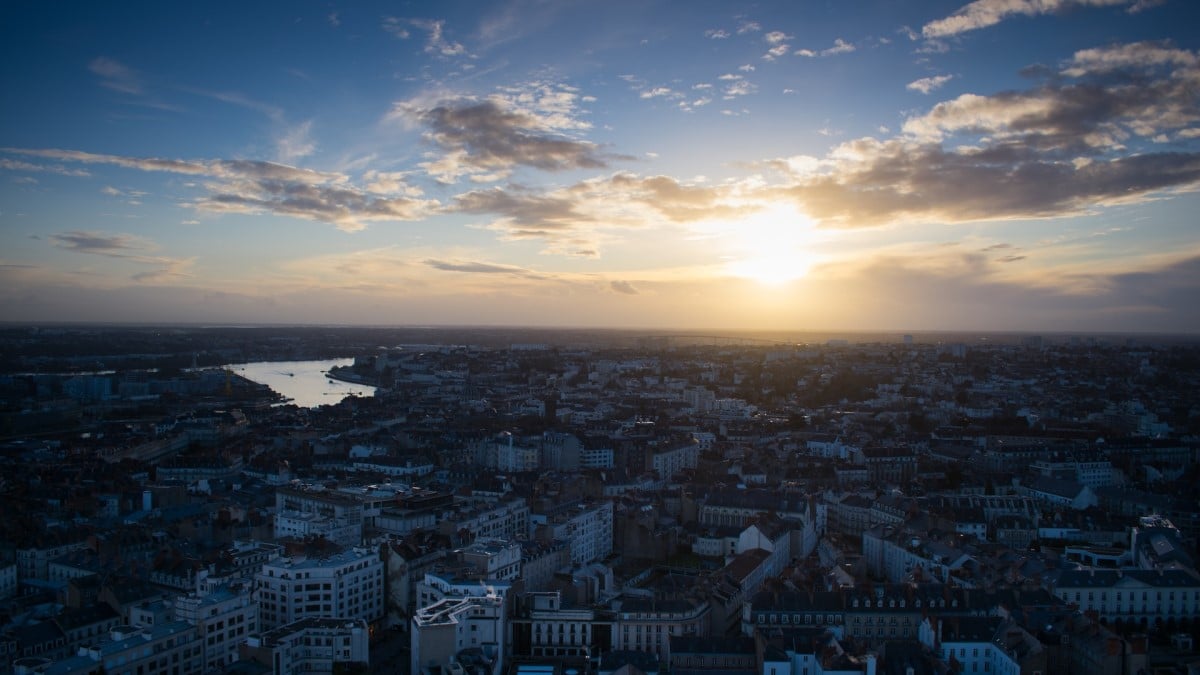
[{"x": 992, "y": 165}]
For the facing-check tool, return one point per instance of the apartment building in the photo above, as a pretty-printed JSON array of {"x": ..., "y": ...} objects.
[
  {"x": 588, "y": 528},
  {"x": 457, "y": 630},
  {"x": 1132, "y": 595},
  {"x": 348, "y": 585},
  {"x": 224, "y": 619},
  {"x": 314, "y": 645}
]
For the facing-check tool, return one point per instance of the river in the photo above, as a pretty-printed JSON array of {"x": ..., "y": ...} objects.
[{"x": 304, "y": 382}]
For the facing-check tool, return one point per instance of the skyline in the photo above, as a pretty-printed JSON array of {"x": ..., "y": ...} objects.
[{"x": 1011, "y": 165}]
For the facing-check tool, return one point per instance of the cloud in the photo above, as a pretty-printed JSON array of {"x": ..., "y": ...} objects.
[
  {"x": 623, "y": 287},
  {"x": 574, "y": 220},
  {"x": 116, "y": 76},
  {"x": 1112, "y": 96},
  {"x": 739, "y": 88},
  {"x": 333, "y": 19},
  {"x": 776, "y": 37},
  {"x": 1136, "y": 55},
  {"x": 436, "y": 43},
  {"x": 984, "y": 13},
  {"x": 840, "y": 46},
  {"x": 659, "y": 92},
  {"x": 716, "y": 34},
  {"x": 18, "y": 165},
  {"x": 1060, "y": 148},
  {"x": 926, "y": 85},
  {"x": 952, "y": 290},
  {"x": 488, "y": 138},
  {"x": 271, "y": 112},
  {"x": 255, "y": 186},
  {"x": 878, "y": 182},
  {"x": 776, "y": 52},
  {"x": 475, "y": 267},
  {"x": 396, "y": 27},
  {"x": 390, "y": 183},
  {"x": 347, "y": 208},
  {"x": 132, "y": 197},
  {"x": 123, "y": 247},
  {"x": 749, "y": 27},
  {"x": 98, "y": 243},
  {"x": 295, "y": 143}
]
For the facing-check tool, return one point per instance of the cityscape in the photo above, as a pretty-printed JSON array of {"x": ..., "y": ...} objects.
[
  {"x": 565, "y": 337},
  {"x": 537, "y": 501}
]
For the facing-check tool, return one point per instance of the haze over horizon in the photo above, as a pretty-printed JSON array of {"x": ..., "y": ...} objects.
[{"x": 997, "y": 165}]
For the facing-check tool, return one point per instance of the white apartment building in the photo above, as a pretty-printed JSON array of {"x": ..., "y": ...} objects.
[
  {"x": 647, "y": 624},
  {"x": 494, "y": 558},
  {"x": 1138, "y": 596},
  {"x": 348, "y": 585},
  {"x": 506, "y": 455},
  {"x": 300, "y": 525},
  {"x": 975, "y": 643},
  {"x": 437, "y": 587},
  {"x": 587, "y": 528},
  {"x": 171, "y": 647},
  {"x": 895, "y": 555},
  {"x": 311, "y": 645},
  {"x": 670, "y": 462},
  {"x": 33, "y": 562},
  {"x": 503, "y": 520},
  {"x": 1093, "y": 474},
  {"x": 224, "y": 619},
  {"x": 812, "y": 658},
  {"x": 311, "y": 511},
  {"x": 557, "y": 631},
  {"x": 444, "y": 629}
]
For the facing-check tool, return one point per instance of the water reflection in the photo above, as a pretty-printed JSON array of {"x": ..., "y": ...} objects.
[{"x": 304, "y": 382}]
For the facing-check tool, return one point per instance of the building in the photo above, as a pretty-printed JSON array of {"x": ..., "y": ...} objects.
[
  {"x": 551, "y": 628},
  {"x": 459, "y": 630},
  {"x": 348, "y": 585},
  {"x": 172, "y": 647},
  {"x": 588, "y": 529},
  {"x": 980, "y": 645},
  {"x": 508, "y": 519},
  {"x": 224, "y": 619},
  {"x": 897, "y": 555},
  {"x": 314, "y": 645},
  {"x": 648, "y": 624},
  {"x": 8, "y": 580},
  {"x": 734, "y": 654},
  {"x": 309, "y": 512},
  {"x": 1144, "y": 597},
  {"x": 889, "y": 464},
  {"x": 437, "y": 587},
  {"x": 493, "y": 559},
  {"x": 667, "y": 463},
  {"x": 872, "y": 614}
]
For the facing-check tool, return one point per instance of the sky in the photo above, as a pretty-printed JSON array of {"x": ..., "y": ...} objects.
[{"x": 996, "y": 165}]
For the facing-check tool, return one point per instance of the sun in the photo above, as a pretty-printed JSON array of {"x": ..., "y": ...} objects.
[{"x": 773, "y": 246}]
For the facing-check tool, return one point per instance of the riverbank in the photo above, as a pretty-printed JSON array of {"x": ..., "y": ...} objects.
[{"x": 347, "y": 374}]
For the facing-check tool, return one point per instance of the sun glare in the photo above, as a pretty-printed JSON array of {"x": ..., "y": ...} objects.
[{"x": 772, "y": 247}]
